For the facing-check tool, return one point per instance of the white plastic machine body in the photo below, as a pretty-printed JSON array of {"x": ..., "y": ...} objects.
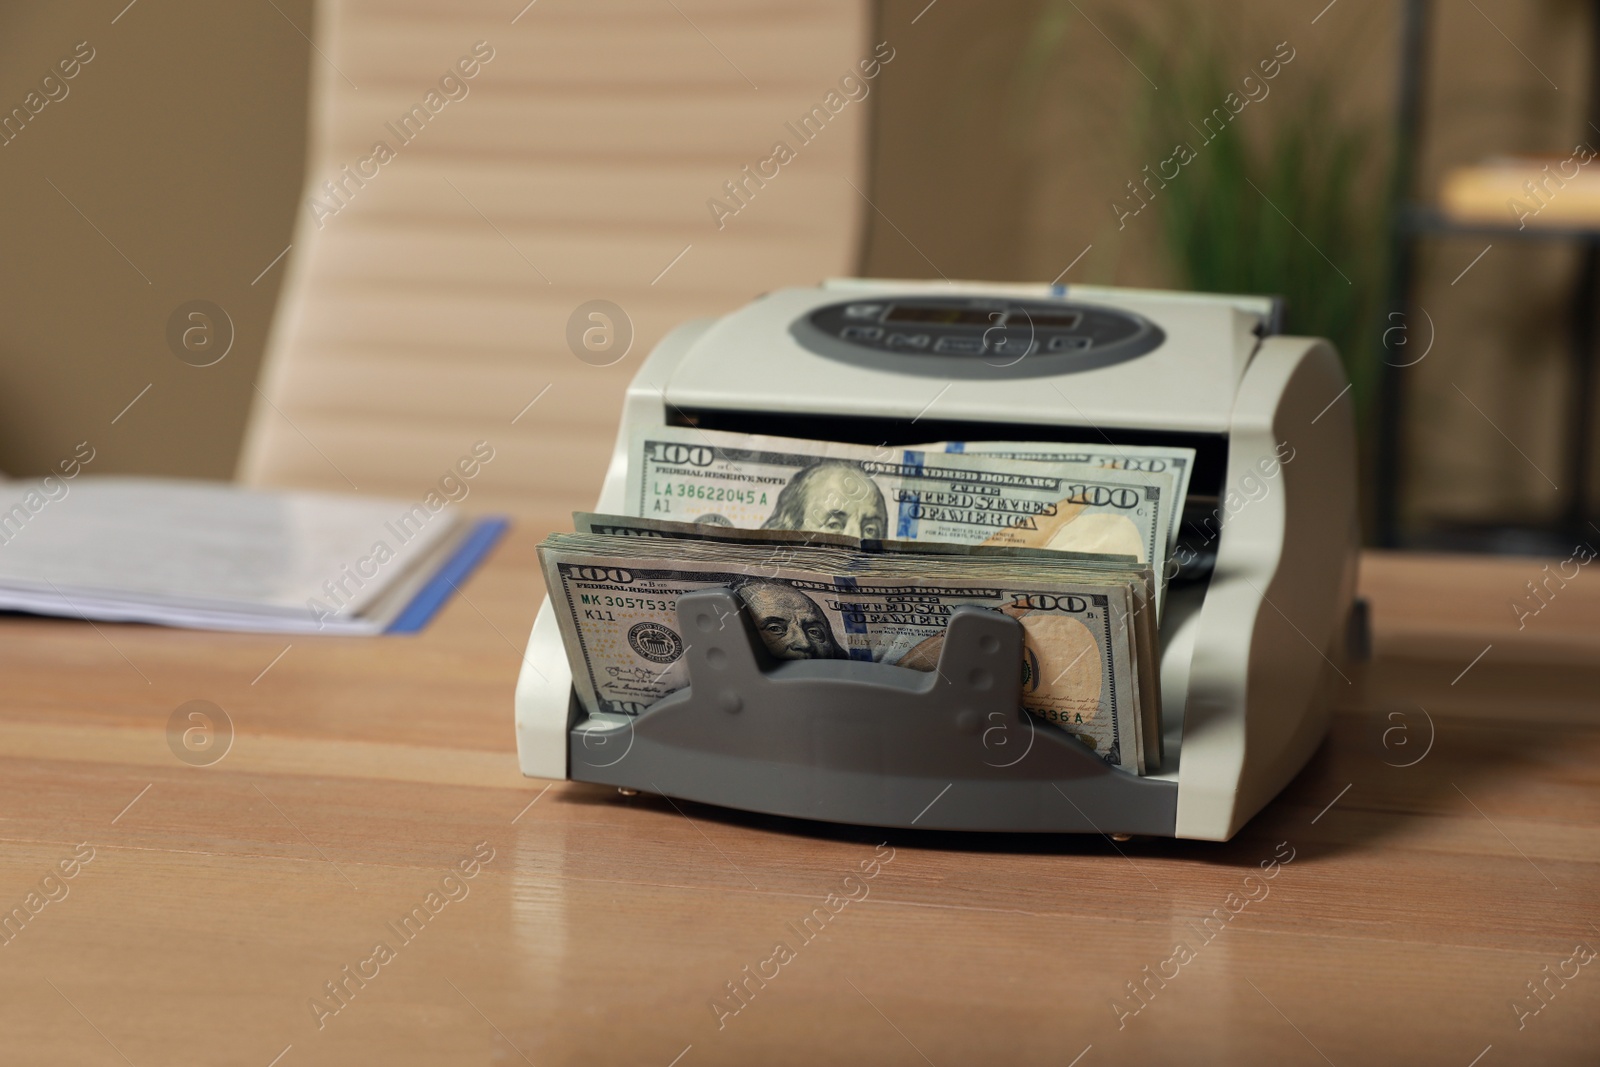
[{"x": 1253, "y": 648}]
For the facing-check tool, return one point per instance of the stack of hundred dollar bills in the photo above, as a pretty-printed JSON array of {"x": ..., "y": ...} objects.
[{"x": 858, "y": 552}]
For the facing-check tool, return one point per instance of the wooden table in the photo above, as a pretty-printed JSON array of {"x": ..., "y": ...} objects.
[{"x": 1436, "y": 870}]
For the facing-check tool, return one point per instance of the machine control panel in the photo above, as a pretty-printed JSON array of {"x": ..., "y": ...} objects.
[{"x": 975, "y": 337}]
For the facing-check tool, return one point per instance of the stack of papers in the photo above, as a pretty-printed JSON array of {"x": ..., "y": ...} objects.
[{"x": 219, "y": 557}]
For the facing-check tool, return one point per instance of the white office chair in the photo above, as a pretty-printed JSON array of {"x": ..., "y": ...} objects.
[{"x": 431, "y": 285}]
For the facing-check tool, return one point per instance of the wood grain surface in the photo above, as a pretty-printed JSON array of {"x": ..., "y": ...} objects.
[{"x": 1445, "y": 848}]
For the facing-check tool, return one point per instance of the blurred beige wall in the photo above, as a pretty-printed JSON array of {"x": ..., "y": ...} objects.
[
  {"x": 182, "y": 142},
  {"x": 982, "y": 173},
  {"x": 168, "y": 172}
]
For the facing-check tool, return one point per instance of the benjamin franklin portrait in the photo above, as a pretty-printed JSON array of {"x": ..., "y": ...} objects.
[
  {"x": 833, "y": 496},
  {"x": 791, "y": 624}
]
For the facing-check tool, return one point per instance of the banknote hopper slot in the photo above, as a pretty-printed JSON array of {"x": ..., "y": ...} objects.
[
  {"x": 1260, "y": 626},
  {"x": 847, "y": 741},
  {"x": 1203, "y": 513}
]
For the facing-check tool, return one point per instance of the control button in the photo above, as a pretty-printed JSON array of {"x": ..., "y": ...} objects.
[
  {"x": 908, "y": 340},
  {"x": 962, "y": 345},
  {"x": 1012, "y": 348},
  {"x": 1068, "y": 343},
  {"x": 863, "y": 311},
  {"x": 860, "y": 333}
]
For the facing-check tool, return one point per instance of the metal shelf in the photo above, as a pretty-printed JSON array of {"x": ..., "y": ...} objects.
[
  {"x": 1412, "y": 222},
  {"x": 1420, "y": 220}
]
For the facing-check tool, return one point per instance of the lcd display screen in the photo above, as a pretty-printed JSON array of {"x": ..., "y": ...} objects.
[
  {"x": 944, "y": 316},
  {"x": 1062, "y": 321}
]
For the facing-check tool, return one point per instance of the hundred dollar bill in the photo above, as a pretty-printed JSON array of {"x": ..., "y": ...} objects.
[
  {"x": 1081, "y": 565},
  {"x": 616, "y": 603},
  {"x": 752, "y": 481},
  {"x": 1153, "y": 459}
]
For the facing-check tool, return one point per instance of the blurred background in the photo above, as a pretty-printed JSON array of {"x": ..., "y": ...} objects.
[{"x": 364, "y": 335}]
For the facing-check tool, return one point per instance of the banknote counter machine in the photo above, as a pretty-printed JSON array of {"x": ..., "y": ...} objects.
[{"x": 1260, "y": 623}]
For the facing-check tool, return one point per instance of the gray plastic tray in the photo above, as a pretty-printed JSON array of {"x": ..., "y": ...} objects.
[{"x": 848, "y": 741}]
